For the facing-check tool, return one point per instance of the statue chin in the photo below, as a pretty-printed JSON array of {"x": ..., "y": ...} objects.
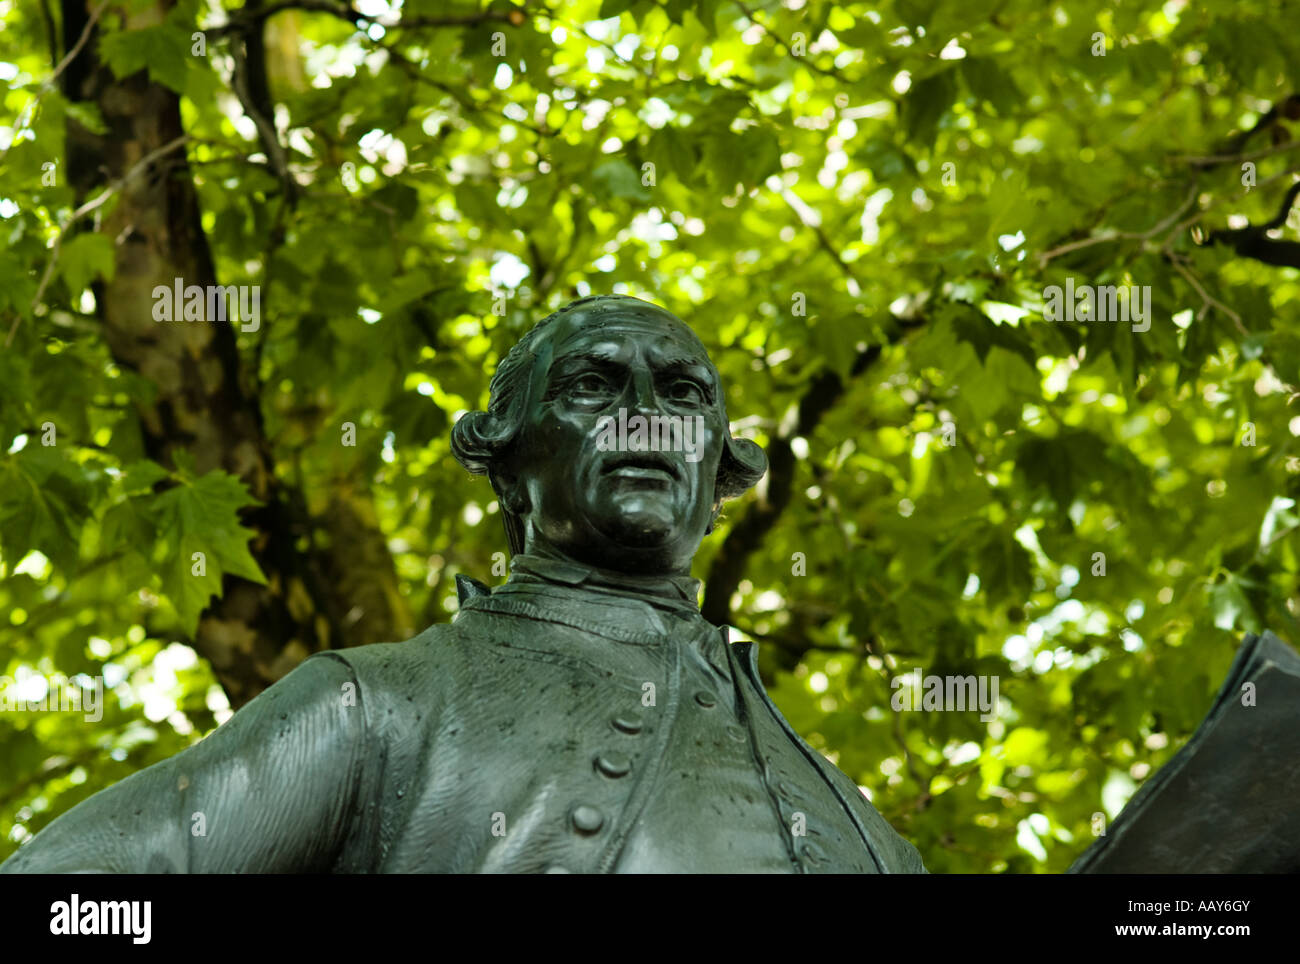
[
  {"x": 639, "y": 542},
  {"x": 639, "y": 523},
  {"x": 639, "y": 533}
]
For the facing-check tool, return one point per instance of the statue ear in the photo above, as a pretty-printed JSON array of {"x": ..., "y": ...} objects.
[
  {"x": 514, "y": 504},
  {"x": 511, "y": 492}
]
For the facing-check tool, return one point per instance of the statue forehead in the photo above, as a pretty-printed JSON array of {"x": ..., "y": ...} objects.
[{"x": 620, "y": 320}]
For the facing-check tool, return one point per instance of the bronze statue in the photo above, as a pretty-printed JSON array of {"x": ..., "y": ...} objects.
[{"x": 582, "y": 717}]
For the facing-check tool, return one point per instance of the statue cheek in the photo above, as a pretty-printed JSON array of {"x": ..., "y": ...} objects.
[
  {"x": 555, "y": 441},
  {"x": 713, "y": 447},
  {"x": 572, "y": 428}
]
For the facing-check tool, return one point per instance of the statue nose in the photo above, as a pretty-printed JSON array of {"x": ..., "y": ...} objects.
[{"x": 643, "y": 398}]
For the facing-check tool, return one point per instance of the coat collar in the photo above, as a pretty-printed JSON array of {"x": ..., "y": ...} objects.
[
  {"x": 673, "y": 593},
  {"x": 631, "y": 609}
]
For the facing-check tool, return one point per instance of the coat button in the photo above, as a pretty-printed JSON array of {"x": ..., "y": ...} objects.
[
  {"x": 736, "y": 733},
  {"x": 706, "y": 699},
  {"x": 614, "y": 764},
  {"x": 627, "y": 722},
  {"x": 587, "y": 819}
]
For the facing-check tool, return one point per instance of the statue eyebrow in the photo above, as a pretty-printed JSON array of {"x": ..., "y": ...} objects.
[
  {"x": 587, "y": 354},
  {"x": 673, "y": 364},
  {"x": 684, "y": 361},
  {"x": 557, "y": 376}
]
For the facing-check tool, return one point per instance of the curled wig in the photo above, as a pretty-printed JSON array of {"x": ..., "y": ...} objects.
[{"x": 480, "y": 440}]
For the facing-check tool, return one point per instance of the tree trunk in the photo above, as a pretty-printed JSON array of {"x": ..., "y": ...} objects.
[{"x": 205, "y": 404}]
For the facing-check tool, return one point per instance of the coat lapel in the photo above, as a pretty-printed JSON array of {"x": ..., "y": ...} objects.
[{"x": 744, "y": 658}]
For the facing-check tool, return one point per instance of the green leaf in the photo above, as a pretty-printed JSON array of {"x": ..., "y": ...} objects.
[
  {"x": 87, "y": 114},
  {"x": 45, "y": 500},
  {"x": 140, "y": 476},
  {"x": 989, "y": 82},
  {"x": 1231, "y": 606},
  {"x": 1005, "y": 569},
  {"x": 202, "y": 516},
  {"x": 616, "y": 178},
  {"x": 926, "y": 102},
  {"x": 612, "y": 8},
  {"x": 84, "y": 258}
]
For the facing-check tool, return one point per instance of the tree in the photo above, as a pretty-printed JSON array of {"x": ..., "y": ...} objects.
[{"x": 885, "y": 223}]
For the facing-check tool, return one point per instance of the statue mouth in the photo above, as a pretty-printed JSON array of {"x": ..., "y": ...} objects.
[{"x": 643, "y": 466}]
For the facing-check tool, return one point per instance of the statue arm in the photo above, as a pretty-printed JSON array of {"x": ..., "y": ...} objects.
[{"x": 269, "y": 791}]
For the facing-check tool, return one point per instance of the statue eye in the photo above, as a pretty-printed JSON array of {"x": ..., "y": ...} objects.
[
  {"x": 589, "y": 383},
  {"x": 687, "y": 390}
]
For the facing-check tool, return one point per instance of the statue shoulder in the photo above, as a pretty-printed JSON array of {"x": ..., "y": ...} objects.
[{"x": 424, "y": 662}]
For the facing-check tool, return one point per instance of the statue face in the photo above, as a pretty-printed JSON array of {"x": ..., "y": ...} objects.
[{"x": 597, "y": 492}]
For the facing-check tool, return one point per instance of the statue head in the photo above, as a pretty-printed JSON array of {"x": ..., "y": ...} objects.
[{"x": 606, "y": 439}]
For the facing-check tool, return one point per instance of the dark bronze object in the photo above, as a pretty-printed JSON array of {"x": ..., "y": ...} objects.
[
  {"x": 582, "y": 717},
  {"x": 1226, "y": 802}
]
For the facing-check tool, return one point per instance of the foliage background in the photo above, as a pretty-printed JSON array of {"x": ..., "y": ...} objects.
[{"x": 912, "y": 173}]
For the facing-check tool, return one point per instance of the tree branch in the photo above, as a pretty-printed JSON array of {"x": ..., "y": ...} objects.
[
  {"x": 1251, "y": 242},
  {"x": 1289, "y": 108},
  {"x": 747, "y": 535},
  {"x": 780, "y": 42},
  {"x": 249, "y": 83},
  {"x": 245, "y": 19},
  {"x": 29, "y": 111},
  {"x": 91, "y": 205}
]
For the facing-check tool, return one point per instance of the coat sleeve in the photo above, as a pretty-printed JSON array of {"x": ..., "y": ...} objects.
[{"x": 269, "y": 791}]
